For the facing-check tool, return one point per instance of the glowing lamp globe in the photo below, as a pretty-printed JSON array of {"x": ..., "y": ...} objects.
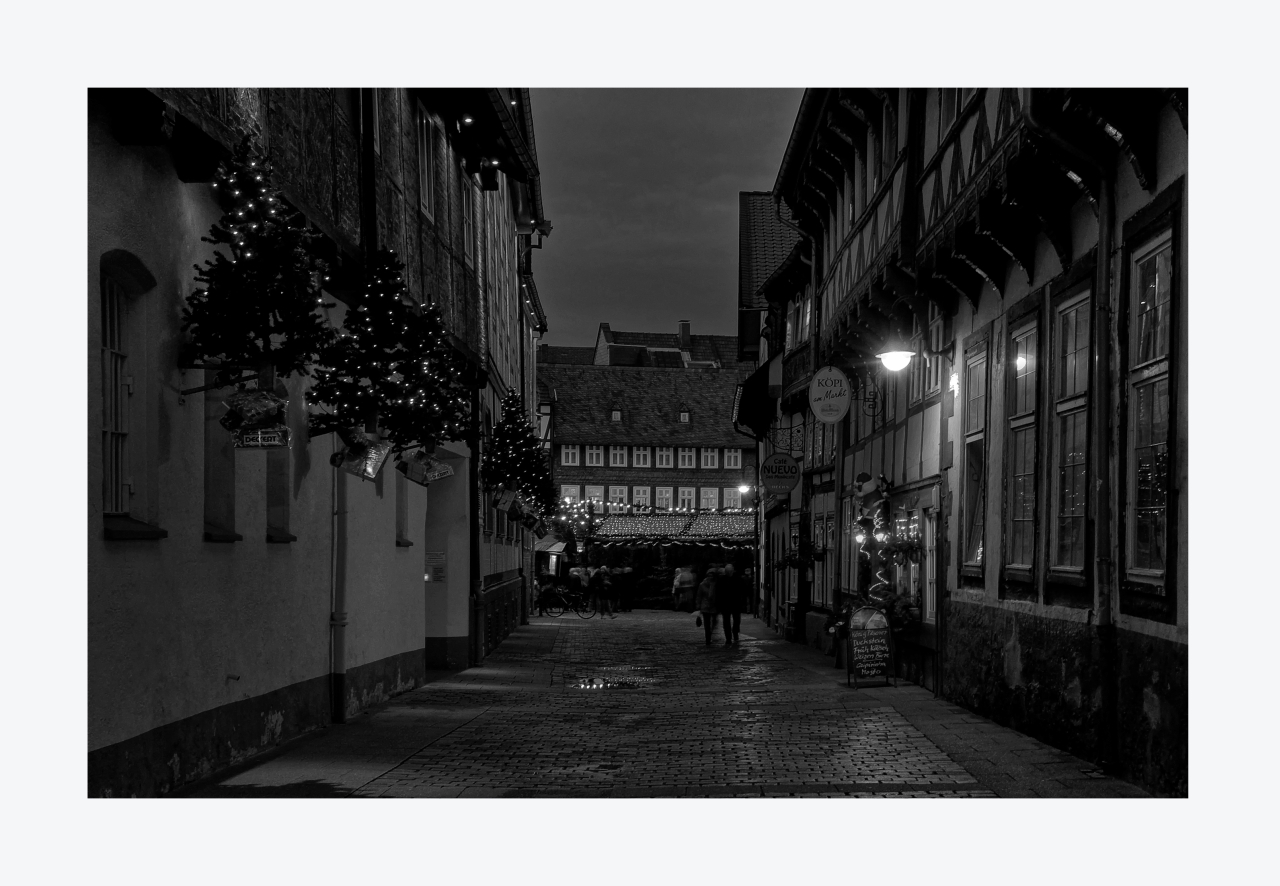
[
  {"x": 744, "y": 489},
  {"x": 895, "y": 355}
]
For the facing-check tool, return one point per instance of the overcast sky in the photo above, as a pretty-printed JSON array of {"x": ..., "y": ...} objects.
[{"x": 641, "y": 188}]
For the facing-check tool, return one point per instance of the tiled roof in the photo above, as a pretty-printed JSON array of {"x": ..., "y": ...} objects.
[
  {"x": 763, "y": 243},
  {"x": 650, "y": 400},
  {"x": 561, "y": 354}
]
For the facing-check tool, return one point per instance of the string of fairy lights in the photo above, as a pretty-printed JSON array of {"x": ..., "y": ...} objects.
[{"x": 514, "y": 459}]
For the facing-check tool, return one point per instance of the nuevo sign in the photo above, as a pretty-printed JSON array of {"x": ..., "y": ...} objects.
[
  {"x": 779, "y": 474},
  {"x": 829, "y": 395}
]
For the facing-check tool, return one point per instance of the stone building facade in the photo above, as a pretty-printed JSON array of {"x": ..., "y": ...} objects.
[
  {"x": 1029, "y": 248},
  {"x": 240, "y": 598}
]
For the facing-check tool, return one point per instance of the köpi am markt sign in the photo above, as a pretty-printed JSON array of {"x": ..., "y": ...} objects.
[{"x": 829, "y": 395}]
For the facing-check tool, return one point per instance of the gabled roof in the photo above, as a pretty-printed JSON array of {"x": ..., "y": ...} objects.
[
  {"x": 764, "y": 242},
  {"x": 651, "y": 400},
  {"x": 562, "y": 354}
]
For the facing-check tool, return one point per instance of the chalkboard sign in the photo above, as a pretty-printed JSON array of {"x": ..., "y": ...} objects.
[{"x": 868, "y": 652}]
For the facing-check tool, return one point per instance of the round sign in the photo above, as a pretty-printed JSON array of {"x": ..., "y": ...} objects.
[
  {"x": 779, "y": 474},
  {"x": 829, "y": 395}
]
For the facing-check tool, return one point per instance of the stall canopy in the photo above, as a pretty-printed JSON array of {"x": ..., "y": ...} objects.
[
  {"x": 550, "y": 545},
  {"x": 703, "y": 527}
]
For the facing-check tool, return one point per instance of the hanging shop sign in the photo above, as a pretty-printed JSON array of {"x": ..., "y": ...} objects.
[
  {"x": 868, "y": 654},
  {"x": 829, "y": 395},
  {"x": 779, "y": 474},
  {"x": 363, "y": 461},
  {"x": 256, "y": 420},
  {"x": 261, "y": 438}
]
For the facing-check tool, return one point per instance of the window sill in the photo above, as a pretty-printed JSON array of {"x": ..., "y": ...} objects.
[
  {"x": 1020, "y": 574},
  {"x": 220, "y": 536},
  {"x": 280, "y": 537},
  {"x": 122, "y": 527},
  {"x": 1073, "y": 577},
  {"x": 971, "y": 570},
  {"x": 403, "y": 543}
]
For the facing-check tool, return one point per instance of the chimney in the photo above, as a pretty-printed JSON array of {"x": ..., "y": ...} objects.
[{"x": 685, "y": 337}]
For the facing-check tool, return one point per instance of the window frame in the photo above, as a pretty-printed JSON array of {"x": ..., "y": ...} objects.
[
  {"x": 640, "y": 457},
  {"x": 691, "y": 452},
  {"x": 1138, "y": 375},
  {"x": 594, "y": 455},
  {"x": 734, "y": 455},
  {"x": 597, "y": 497},
  {"x": 640, "y": 496},
  {"x": 974, "y": 436},
  {"x": 709, "y": 494},
  {"x": 577, "y": 492},
  {"x": 618, "y": 504},
  {"x": 732, "y": 497},
  {"x": 1064, "y": 406},
  {"x": 468, "y": 221},
  {"x": 1021, "y": 414},
  {"x": 116, "y": 392},
  {"x": 567, "y": 450},
  {"x": 661, "y": 494},
  {"x": 691, "y": 497},
  {"x": 710, "y": 459},
  {"x": 617, "y": 456},
  {"x": 664, "y": 453},
  {"x": 426, "y": 162}
]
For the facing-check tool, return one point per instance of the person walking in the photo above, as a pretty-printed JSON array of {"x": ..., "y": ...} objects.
[
  {"x": 707, "y": 604},
  {"x": 544, "y": 592},
  {"x": 682, "y": 591},
  {"x": 599, "y": 594},
  {"x": 729, "y": 600}
]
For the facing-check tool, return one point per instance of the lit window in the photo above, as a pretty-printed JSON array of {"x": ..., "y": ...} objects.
[
  {"x": 569, "y": 492},
  {"x": 975, "y": 462},
  {"x": 1070, "y": 442},
  {"x": 617, "y": 499},
  {"x": 687, "y": 499},
  {"x": 710, "y": 498},
  {"x": 1022, "y": 448},
  {"x": 640, "y": 496},
  {"x": 732, "y": 497},
  {"x": 595, "y": 493},
  {"x": 662, "y": 497}
]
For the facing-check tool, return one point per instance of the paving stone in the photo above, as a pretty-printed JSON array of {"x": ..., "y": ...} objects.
[{"x": 639, "y": 707}]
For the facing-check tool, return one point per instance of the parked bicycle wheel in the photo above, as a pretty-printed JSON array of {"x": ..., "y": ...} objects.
[
  {"x": 583, "y": 608},
  {"x": 553, "y": 604}
]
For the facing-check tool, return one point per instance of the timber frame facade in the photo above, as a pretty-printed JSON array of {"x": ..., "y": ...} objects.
[
  {"x": 1030, "y": 245},
  {"x": 305, "y": 603}
]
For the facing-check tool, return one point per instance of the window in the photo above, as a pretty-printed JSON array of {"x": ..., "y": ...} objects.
[
  {"x": 662, "y": 497},
  {"x": 615, "y": 415},
  {"x": 377, "y": 114},
  {"x": 711, "y": 458},
  {"x": 710, "y": 498},
  {"x": 595, "y": 493},
  {"x": 569, "y": 493},
  {"x": 617, "y": 499},
  {"x": 687, "y": 459},
  {"x": 684, "y": 416},
  {"x": 427, "y": 141},
  {"x": 889, "y": 151},
  {"x": 664, "y": 456},
  {"x": 686, "y": 497},
  {"x": 595, "y": 456},
  {"x": 640, "y": 457},
  {"x": 468, "y": 220},
  {"x": 1022, "y": 447},
  {"x": 732, "y": 497},
  {"x": 1149, "y": 379},
  {"x": 569, "y": 454},
  {"x": 640, "y": 496},
  {"x": 1070, "y": 446},
  {"x": 733, "y": 458},
  {"x": 933, "y": 372},
  {"x": 948, "y": 99},
  {"x": 115, "y": 408},
  {"x": 975, "y": 422},
  {"x": 617, "y": 456},
  {"x": 918, "y": 368},
  {"x": 930, "y": 565}
]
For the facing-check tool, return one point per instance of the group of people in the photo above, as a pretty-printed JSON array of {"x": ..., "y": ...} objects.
[
  {"x": 604, "y": 585},
  {"x": 720, "y": 593}
]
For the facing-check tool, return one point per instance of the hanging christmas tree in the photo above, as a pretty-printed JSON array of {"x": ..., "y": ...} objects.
[
  {"x": 392, "y": 364},
  {"x": 255, "y": 302},
  {"x": 515, "y": 459}
]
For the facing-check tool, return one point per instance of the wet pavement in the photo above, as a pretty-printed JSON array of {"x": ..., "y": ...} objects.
[{"x": 638, "y": 706}]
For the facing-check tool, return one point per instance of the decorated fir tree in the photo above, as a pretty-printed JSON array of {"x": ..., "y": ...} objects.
[
  {"x": 392, "y": 364},
  {"x": 255, "y": 302},
  {"x": 515, "y": 459}
]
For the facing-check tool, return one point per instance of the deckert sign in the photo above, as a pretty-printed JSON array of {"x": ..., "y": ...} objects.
[
  {"x": 779, "y": 474},
  {"x": 829, "y": 395}
]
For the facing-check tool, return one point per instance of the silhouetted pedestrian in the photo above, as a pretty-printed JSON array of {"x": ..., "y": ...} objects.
[
  {"x": 729, "y": 601},
  {"x": 707, "y": 604}
]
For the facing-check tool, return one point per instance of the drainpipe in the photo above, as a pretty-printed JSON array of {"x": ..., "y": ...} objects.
[
  {"x": 1100, "y": 466},
  {"x": 338, "y": 596}
]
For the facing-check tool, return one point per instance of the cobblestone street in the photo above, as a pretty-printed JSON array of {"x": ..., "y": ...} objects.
[{"x": 640, "y": 707}]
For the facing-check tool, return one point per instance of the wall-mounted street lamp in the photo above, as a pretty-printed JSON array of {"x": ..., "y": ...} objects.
[{"x": 896, "y": 354}]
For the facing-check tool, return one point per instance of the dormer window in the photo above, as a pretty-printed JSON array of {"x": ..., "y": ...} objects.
[
  {"x": 684, "y": 416},
  {"x": 615, "y": 415}
]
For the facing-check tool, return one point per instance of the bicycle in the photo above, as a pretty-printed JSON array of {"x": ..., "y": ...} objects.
[{"x": 555, "y": 600}]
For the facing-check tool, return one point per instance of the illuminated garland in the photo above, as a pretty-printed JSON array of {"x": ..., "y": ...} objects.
[
  {"x": 515, "y": 459},
  {"x": 256, "y": 298}
]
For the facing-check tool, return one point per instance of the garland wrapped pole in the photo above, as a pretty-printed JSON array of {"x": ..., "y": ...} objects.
[{"x": 255, "y": 303}]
